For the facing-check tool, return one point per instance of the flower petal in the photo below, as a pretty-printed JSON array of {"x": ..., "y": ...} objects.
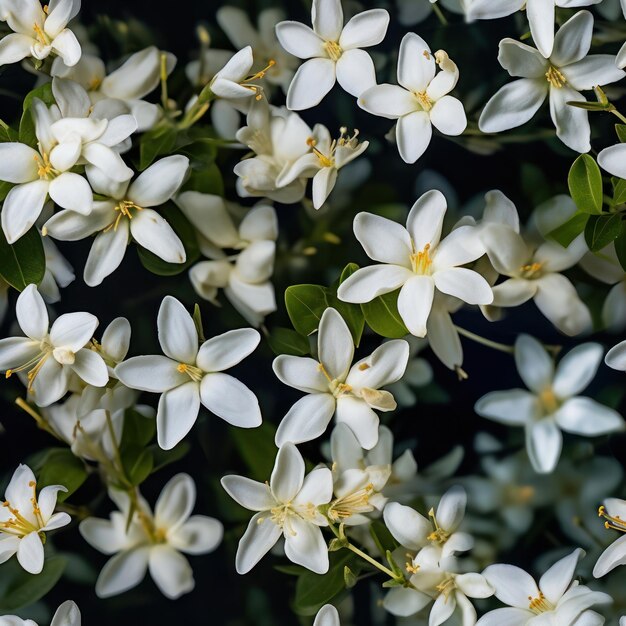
[
  {"x": 159, "y": 182},
  {"x": 106, "y": 254},
  {"x": 153, "y": 373},
  {"x": 259, "y": 538},
  {"x": 448, "y": 116},
  {"x": 515, "y": 407},
  {"x": 360, "y": 418},
  {"x": 122, "y": 572},
  {"x": 307, "y": 419},
  {"x": 416, "y": 64},
  {"x": 230, "y": 399},
  {"x": 18, "y": 162},
  {"x": 413, "y": 135},
  {"x": 408, "y": 527},
  {"x": 556, "y": 580},
  {"x": 520, "y": 60},
  {"x": 584, "y": 416},
  {"x": 177, "y": 332},
  {"x": 534, "y": 364},
  {"x": 425, "y": 220},
  {"x": 90, "y": 367},
  {"x": 513, "y": 586},
  {"x": 288, "y": 473},
  {"x": 171, "y": 571},
  {"x": 177, "y": 413},
  {"x": 543, "y": 444},
  {"x": 30, "y": 553},
  {"x": 224, "y": 351},
  {"x": 382, "y": 239},
  {"x": 327, "y": 19},
  {"x": 31, "y": 313},
  {"x": 573, "y": 39},
  {"x": 467, "y": 285},
  {"x": 251, "y": 494},
  {"x": 369, "y": 282},
  {"x": 175, "y": 502},
  {"x": 577, "y": 369},
  {"x": 335, "y": 344},
  {"x": 313, "y": 80},
  {"x": 152, "y": 232},
  {"x": 198, "y": 535},
  {"x": 305, "y": 545},
  {"x": 22, "y": 207},
  {"x": 301, "y": 373},
  {"x": 390, "y": 101},
  {"x": 415, "y": 303},
  {"x": 299, "y": 40}
]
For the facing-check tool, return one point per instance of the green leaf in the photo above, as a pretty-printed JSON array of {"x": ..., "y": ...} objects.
[
  {"x": 205, "y": 180},
  {"x": 138, "y": 429},
  {"x": 381, "y": 315},
  {"x": 27, "y": 123},
  {"x": 197, "y": 320},
  {"x": 187, "y": 235},
  {"x": 601, "y": 230},
  {"x": 620, "y": 129},
  {"x": 351, "y": 313},
  {"x": 288, "y": 341},
  {"x": 163, "y": 458},
  {"x": 159, "y": 141},
  {"x": 19, "y": 589},
  {"x": 60, "y": 467},
  {"x": 566, "y": 233},
  {"x": 619, "y": 191},
  {"x": 315, "y": 590},
  {"x": 138, "y": 463},
  {"x": 7, "y": 133},
  {"x": 585, "y": 184},
  {"x": 257, "y": 448},
  {"x": 23, "y": 262},
  {"x": 382, "y": 537},
  {"x": 620, "y": 245},
  {"x": 305, "y": 305}
]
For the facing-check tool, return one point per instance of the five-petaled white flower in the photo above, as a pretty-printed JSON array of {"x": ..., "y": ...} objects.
[
  {"x": 48, "y": 358},
  {"x": 421, "y": 100},
  {"x": 126, "y": 212},
  {"x": 25, "y": 517},
  {"x": 234, "y": 80},
  {"x": 559, "y": 75},
  {"x": 333, "y": 52},
  {"x": 553, "y": 403},
  {"x": 152, "y": 542},
  {"x": 288, "y": 506},
  {"x": 557, "y": 599},
  {"x": 415, "y": 260},
  {"x": 68, "y": 614},
  {"x": 39, "y": 31},
  {"x": 190, "y": 375},
  {"x": 337, "y": 387},
  {"x": 614, "y": 513}
]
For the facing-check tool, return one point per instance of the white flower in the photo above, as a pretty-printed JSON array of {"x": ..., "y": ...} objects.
[
  {"x": 616, "y": 357},
  {"x": 245, "y": 278},
  {"x": 234, "y": 81},
  {"x": 414, "y": 259},
  {"x": 25, "y": 517},
  {"x": 38, "y": 31},
  {"x": 128, "y": 85},
  {"x": 68, "y": 614},
  {"x": 553, "y": 403},
  {"x": 613, "y": 160},
  {"x": 421, "y": 100},
  {"x": 48, "y": 358},
  {"x": 533, "y": 271},
  {"x": 334, "y": 386},
  {"x": 152, "y": 542},
  {"x": 288, "y": 506},
  {"x": 614, "y": 513},
  {"x": 190, "y": 375},
  {"x": 333, "y": 52},
  {"x": 59, "y": 273},
  {"x": 324, "y": 161},
  {"x": 439, "y": 531},
  {"x": 560, "y": 75},
  {"x": 241, "y": 32},
  {"x": 126, "y": 212},
  {"x": 557, "y": 599},
  {"x": 278, "y": 138},
  {"x": 327, "y": 616}
]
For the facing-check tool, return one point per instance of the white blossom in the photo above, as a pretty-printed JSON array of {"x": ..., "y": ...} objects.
[
  {"x": 25, "y": 517},
  {"x": 68, "y": 614},
  {"x": 152, "y": 541},
  {"x": 421, "y": 100},
  {"x": 552, "y": 403},
  {"x": 191, "y": 374},
  {"x": 614, "y": 512},
  {"x": 289, "y": 506},
  {"x": 336, "y": 387},
  {"x": 332, "y": 52}
]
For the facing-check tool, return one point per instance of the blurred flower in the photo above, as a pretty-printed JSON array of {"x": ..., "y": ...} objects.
[{"x": 68, "y": 614}]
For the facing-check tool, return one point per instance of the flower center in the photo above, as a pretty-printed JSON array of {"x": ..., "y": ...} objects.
[
  {"x": 40, "y": 35},
  {"x": 421, "y": 261},
  {"x": 34, "y": 365},
  {"x": 555, "y": 77},
  {"x": 446, "y": 587},
  {"x": 333, "y": 49},
  {"x": 424, "y": 100},
  {"x": 531, "y": 270},
  {"x": 616, "y": 523},
  {"x": 549, "y": 401},
  {"x": 124, "y": 208},
  {"x": 336, "y": 387},
  {"x": 195, "y": 373},
  {"x": 439, "y": 535},
  {"x": 539, "y": 604},
  {"x": 344, "y": 141},
  {"x": 45, "y": 171},
  {"x": 357, "y": 502},
  {"x": 257, "y": 89},
  {"x": 18, "y": 525}
]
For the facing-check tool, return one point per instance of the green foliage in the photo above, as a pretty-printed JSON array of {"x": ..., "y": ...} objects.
[
  {"x": 159, "y": 141},
  {"x": 381, "y": 315},
  {"x": 566, "y": 233},
  {"x": 314, "y": 590},
  {"x": 287, "y": 341},
  {"x": 382, "y": 537},
  {"x": 257, "y": 448},
  {"x": 138, "y": 463},
  {"x": 58, "y": 466},
  {"x": 619, "y": 191},
  {"x": 620, "y": 246},
  {"x": 601, "y": 230},
  {"x": 23, "y": 262},
  {"x": 620, "y": 129},
  {"x": 187, "y": 234},
  {"x": 19, "y": 588},
  {"x": 585, "y": 184},
  {"x": 27, "y": 123}
]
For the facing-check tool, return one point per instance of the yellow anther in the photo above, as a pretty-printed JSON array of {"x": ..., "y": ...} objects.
[
  {"x": 555, "y": 77},
  {"x": 612, "y": 522},
  {"x": 333, "y": 49},
  {"x": 549, "y": 401},
  {"x": 539, "y": 604},
  {"x": 531, "y": 270},
  {"x": 421, "y": 261}
]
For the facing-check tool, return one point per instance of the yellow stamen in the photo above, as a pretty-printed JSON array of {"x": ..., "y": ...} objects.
[
  {"x": 195, "y": 373},
  {"x": 125, "y": 208},
  {"x": 248, "y": 84},
  {"x": 421, "y": 261},
  {"x": 333, "y": 50},
  {"x": 615, "y": 523},
  {"x": 555, "y": 77},
  {"x": 539, "y": 604},
  {"x": 439, "y": 535},
  {"x": 549, "y": 401},
  {"x": 424, "y": 100},
  {"x": 531, "y": 270}
]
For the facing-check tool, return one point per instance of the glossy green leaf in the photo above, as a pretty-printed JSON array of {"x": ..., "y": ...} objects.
[
  {"x": 585, "y": 184},
  {"x": 138, "y": 463},
  {"x": 620, "y": 129},
  {"x": 620, "y": 246},
  {"x": 566, "y": 233},
  {"x": 288, "y": 341},
  {"x": 601, "y": 230},
  {"x": 305, "y": 306},
  {"x": 138, "y": 429},
  {"x": 60, "y": 467},
  {"x": 27, "y": 123},
  {"x": 619, "y": 191},
  {"x": 159, "y": 141},
  {"x": 381, "y": 315},
  {"x": 23, "y": 262},
  {"x": 205, "y": 180}
]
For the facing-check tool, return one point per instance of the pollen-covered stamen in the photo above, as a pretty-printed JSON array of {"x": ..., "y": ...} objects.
[
  {"x": 248, "y": 82},
  {"x": 195, "y": 373},
  {"x": 446, "y": 587},
  {"x": 531, "y": 270},
  {"x": 539, "y": 604},
  {"x": 45, "y": 171},
  {"x": 612, "y": 522},
  {"x": 343, "y": 141},
  {"x": 409, "y": 565},
  {"x": 421, "y": 262},
  {"x": 424, "y": 100},
  {"x": 336, "y": 387},
  {"x": 439, "y": 535},
  {"x": 32, "y": 366},
  {"x": 40, "y": 35},
  {"x": 18, "y": 525},
  {"x": 555, "y": 77},
  {"x": 549, "y": 402},
  {"x": 354, "y": 503},
  {"x": 333, "y": 49},
  {"x": 124, "y": 208}
]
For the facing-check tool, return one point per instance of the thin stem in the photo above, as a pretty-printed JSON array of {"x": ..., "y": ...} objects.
[
  {"x": 164, "y": 93},
  {"x": 439, "y": 13},
  {"x": 502, "y": 347},
  {"x": 618, "y": 114},
  {"x": 372, "y": 561}
]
